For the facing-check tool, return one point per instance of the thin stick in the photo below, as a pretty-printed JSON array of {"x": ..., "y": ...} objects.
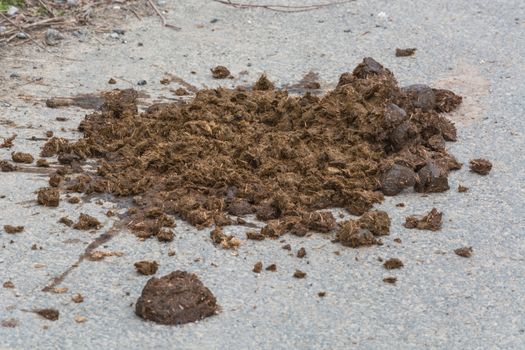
[
  {"x": 283, "y": 8},
  {"x": 164, "y": 23},
  {"x": 46, "y": 7},
  {"x": 17, "y": 26}
]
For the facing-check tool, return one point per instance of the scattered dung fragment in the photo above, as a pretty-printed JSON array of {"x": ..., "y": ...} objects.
[
  {"x": 225, "y": 241},
  {"x": 255, "y": 236},
  {"x": 397, "y": 240},
  {"x": 263, "y": 84},
  {"x": 8, "y": 142},
  {"x": 165, "y": 235},
  {"x": 98, "y": 255},
  {"x": 181, "y": 92},
  {"x": 10, "y": 323},
  {"x": 271, "y": 267},
  {"x": 465, "y": 252},
  {"x": 13, "y": 229},
  {"x": 20, "y": 157},
  {"x": 376, "y": 221},
  {"x": 405, "y": 52},
  {"x": 87, "y": 222},
  {"x": 42, "y": 163},
  {"x": 66, "y": 221},
  {"x": 285, "y": 158},
  {"x": 48, "y": 197},
  {"x": 74, "y": 200},
  {"x": 80, "y": 319},
  {"x": 480, "y": 166},
  {"x": 220, "y": 72},
  {"x": 431, "y": 178},
  {"x": 5, "y": 166},
  {"x": 8, "y": 284},
  {"x": 146, "y": 267},
  {"x": 112, "y": 81},
  {"x": 431, "y": 221},
  {"x": 77, "y": 298},
  {"x": 393, "y": 263},
  {"x": 350, "y": 234},
  {"x": 287, "y": 247},
  {"x": 50, "y": 314},
  {"x": 299, "y": 274},
  {"x": 321, "y": 294},
  {"x": 390, "y": 279},
  {"x": 396, "y": 179},
  {"x": 462, "y": 189},
  {"x": 301, "y": 253},
  {"x": 257, "y": 268},
  {"x": 54, "y": 180},
  {"x": 177, "y": 298}
]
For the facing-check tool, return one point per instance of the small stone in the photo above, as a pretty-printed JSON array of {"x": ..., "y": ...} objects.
[
  {"x": 114, "y": 36},
  {"x": 80, "y": 319},
  {"x": 119, "y": 31},
  {"x": 53, "y": 37},
  {"x": 393, "y": 263},
  {"x": 142, "y": 82},
  {"x": 22, "y": 36},
  {"x": 12, "y": 10}
]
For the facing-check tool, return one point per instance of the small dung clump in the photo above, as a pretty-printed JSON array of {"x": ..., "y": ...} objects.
[
  {"x": 376, "y": 221},
  {"x": 263, "y": 84},
  {"x": 299, "y": 274},
  {"x": 465, "y": 252},
  {"x": 405, "y": 52},
  {"x": 431, "y": 178},
  {"x": 480, "y": 166},
  {"x": 146, "y": 267},
  {"x": 66, "y": 221},
  {"x": 350, "y": 234},
  {"x": 48, "y": 197},
  {"x": 462, "y": 189},
  {"x": 272, "y": 268},
  {"x": 13, "y": 229},
  {"x": 6, "y": 167},
  {"x": 42, "y": 163},
  {"x": 50, "y": 314},
  {"x": 257, "y": 268},
  {"x": 225, "y": 241},
  {"x": 301, "y": 253},
  {"x": 220, "y": 72},
  {"x": 20, "y": 157},
  {"x": 390, "y": 279},
  {"x": 181, "y": 92},
  {"x": 174, "y": 299},
  {"x": 8, "y": 284},
  {"x": 87, "y": 222},
  {"x": 255, "y": 236},
  {"x": 431, "y": 221},
  {"x": 393, "y": 263}
]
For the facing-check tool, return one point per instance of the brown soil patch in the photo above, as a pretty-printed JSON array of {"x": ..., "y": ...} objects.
[
  {"x": 13, "y": 229},
  {"x": 480, "y": 166},
  {"x": 146, "y": 267},
  {"x": 465, "y": 252},
  {"x": 431, "y": 221},
  {"x": 177, "y": 298}
]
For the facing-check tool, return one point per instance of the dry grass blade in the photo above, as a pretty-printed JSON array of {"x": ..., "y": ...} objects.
[{"x": 284, "y": 8}]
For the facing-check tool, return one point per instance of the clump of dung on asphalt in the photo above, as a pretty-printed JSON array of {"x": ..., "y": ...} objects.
[{"x": 284, "y": 158}]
